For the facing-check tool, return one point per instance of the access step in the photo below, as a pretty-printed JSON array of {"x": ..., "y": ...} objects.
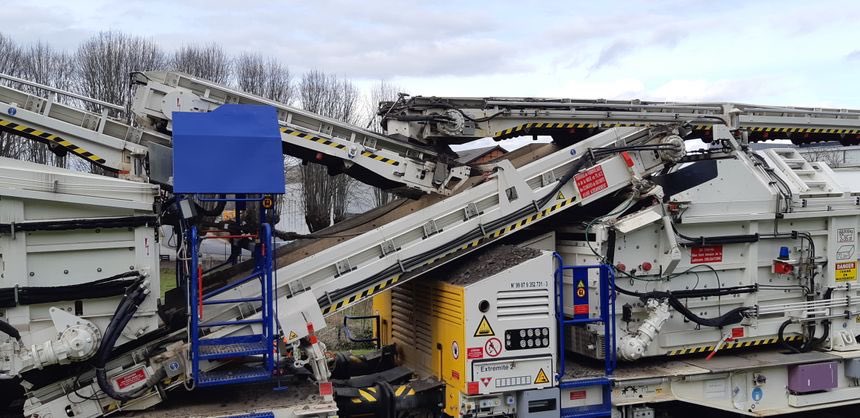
[
  {"x": 221, "y": 348},
  {"x": 223, "y": 377}
]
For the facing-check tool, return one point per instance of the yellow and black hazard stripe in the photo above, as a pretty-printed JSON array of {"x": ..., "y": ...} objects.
[
  {"x": 46, "y": 136},
  {"x": 805, "y": 130},
  {"x": 358, "y": 296},
  {"x": 336, "y": 145},
  {"x": 519, "y": 128},
  {"x": 522, "y": 223},
  {"x": 369, "y": 394},
  {"x": 755, "y": 342}
]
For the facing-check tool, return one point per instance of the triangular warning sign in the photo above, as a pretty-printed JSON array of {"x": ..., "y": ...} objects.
[
  {"x": 580, "y": 284},
  {"x": 541, "y": 377},
  {"x": 486, "y": 380},
  {"x": 292, "y": 336},
  {"x": 484, "y": 328},
  {"x": 559, "y": 196}
]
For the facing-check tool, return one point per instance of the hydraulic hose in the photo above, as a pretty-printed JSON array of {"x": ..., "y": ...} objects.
[
  {"x": 123, "y": 314},
  {"x": 674, "y": 298},
  {"x": 780, "y": 337},
  {"x": 9, "y": 330}
]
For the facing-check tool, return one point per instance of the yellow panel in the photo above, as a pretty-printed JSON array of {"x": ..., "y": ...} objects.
[
  {"x": 435, "y": 310},
  {"x": 452, "y": 401},
  {"x": 449, "y": 332},
  {"x": 382, "y": 307}
]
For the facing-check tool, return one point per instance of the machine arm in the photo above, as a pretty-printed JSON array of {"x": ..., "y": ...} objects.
[
  {"x": 62, "y": 121},
  {"x": 462, "y": 119},
  {"x": 366, "y": 155}
]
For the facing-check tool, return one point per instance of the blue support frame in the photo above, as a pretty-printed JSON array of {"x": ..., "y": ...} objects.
[
  {"x": 607, "y": 317},
  {"x": 260, "y": 345}
]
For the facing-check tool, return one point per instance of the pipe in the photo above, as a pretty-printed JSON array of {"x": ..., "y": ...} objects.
[{"x": 633, "y": 345}]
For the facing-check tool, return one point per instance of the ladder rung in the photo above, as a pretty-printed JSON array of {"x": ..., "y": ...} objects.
[
  {"x": 805, "y": 172},
  {"x": 582, "y": 321},
  {"x": 237, "y": 300},
  {"x": 228, "y": 323}
]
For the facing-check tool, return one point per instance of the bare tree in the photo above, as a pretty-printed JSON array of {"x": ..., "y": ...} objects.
[
  {"x": 105, "y": 61},
  {"x": 832, "y": 156},
  {"x": 382, "y": 91},
  {"x": 264, "y": 77},
  {"x": 205, "y": 61},
  {"x": 326, "y": 197},
  {"x": 10, "y": 63},
  {"x": 44, "y": 65}
]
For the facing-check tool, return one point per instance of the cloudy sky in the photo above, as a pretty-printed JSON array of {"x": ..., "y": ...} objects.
[{"x": 804, "y": 53}]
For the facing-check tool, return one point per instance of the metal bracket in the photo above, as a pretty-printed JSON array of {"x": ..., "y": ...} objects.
[
  {"x": 430, "y": 228},
  {"x": 343, "y": 267},
  {"x": 387, "y": 247},
  {"x": 471, "y": 211},
  {"x": 548, "y": 178}
]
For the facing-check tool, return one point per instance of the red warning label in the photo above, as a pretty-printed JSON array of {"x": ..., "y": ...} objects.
[
  {"x": 706, "y": 254},
  {"x": 475, "y": 352},
  {"x": 577, "y": 395},
  {"x": 590, "y": 181},
  {"x": 127, "y": 380},
  {"x": 580, "y": 309}
]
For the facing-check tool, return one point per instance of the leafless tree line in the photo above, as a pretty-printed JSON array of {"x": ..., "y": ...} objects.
[{"x": 99, "y": 68}]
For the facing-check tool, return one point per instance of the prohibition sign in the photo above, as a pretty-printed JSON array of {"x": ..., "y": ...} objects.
[{"x": 493, "y": 347}]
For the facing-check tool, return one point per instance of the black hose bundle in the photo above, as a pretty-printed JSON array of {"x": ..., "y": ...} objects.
[
  {"x": 30, "y": 295},
  {"x": 811, "y": 341},
  {"x": 674, "y": 298},
  {"x": 123, "y": 314}
]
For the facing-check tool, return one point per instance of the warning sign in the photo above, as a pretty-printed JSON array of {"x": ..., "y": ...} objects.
[
  {"x": 474, "y": 352},
  {"x": 580, "y": 294},
  {"x": 706, "y": 254},
  {"x": 846, "y": 271},
  {"x": 292, "y": 336},
  {"x": 541, "y": 377},
  {"x": 493, "y": 347},
  {"x": 486, "y": 380},
  {"x": 590, "y": 181},
  {"x": 484, "y": 328},
  {"x": 268, "y": 202},
  {"x": 560, "y": 196},
  {"x": 129, "y": 379}
]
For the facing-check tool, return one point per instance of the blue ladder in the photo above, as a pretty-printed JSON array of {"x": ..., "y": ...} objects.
[
  {"x": 607, "y": 317},
  {"x": 260, "y": 345}
]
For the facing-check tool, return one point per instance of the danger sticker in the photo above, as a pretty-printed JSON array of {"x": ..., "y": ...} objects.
[
  {"x": 127, "y": 380},
  {"x": 474, "y": 352},
  {"x": 577, "y": 395},
  {"x": 846, "y": 271},
  {"x": 484, "y": 329},
  {"x": 706, "y": 254},
  {"x": 590, "y": 181}
]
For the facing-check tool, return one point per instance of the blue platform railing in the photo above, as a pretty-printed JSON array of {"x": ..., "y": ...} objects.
[
  {"x": 259, "y": 345},
  {"x": 607, "y": 318}
]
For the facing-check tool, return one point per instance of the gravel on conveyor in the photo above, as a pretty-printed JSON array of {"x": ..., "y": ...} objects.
[{"x": 484, "y": 263}]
